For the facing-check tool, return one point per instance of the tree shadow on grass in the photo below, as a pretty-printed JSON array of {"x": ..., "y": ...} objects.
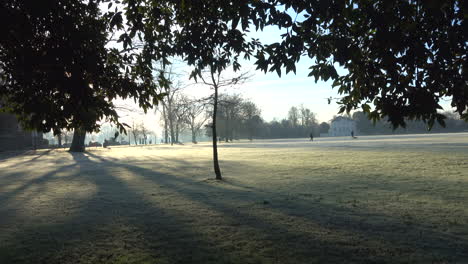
[
  {"x": 5, "y": 156},
  {"x": 36, "y": 181},
  {"x": 139, "y": 215},
  {"x": 116, "y": 224},
  {"x": 393, "y": 232}
]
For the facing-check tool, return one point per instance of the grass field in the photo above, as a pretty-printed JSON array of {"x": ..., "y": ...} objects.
[{"x": 383, "y": 199}]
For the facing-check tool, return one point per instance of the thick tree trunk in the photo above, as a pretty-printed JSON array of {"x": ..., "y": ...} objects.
[
  {"x": 59, "y": 137},
  {"x": 192, "y": 128},
  {"x": 215, "y": 137},
  {"x": 171, "y": 128},
  {"x": 78, "y": 141},
  {"x": 194, "y": 136}
]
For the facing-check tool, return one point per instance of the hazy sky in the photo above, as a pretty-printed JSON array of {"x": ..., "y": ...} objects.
[
  {"x": 276, "y": 95},
  {"x": 272, "y": 94}
]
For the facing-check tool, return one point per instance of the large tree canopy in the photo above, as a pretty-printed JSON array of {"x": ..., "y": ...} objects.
[
  {"x": 57, "y": 69},
  {"x": 402, "y": 56}
]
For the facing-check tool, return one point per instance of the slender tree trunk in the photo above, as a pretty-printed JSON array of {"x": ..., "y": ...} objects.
[
  {"x": 166, "y": 132},
  {"x": 194, "y": 136},
  {"x": 171, "y": 129},
  {"x": 215, "y": 137},
  {"x": 78, "y": 141},
  {"x": 135, "y": 138},
  {"x": 171, "y": 121},
  {"x": 226, "y": 130}
]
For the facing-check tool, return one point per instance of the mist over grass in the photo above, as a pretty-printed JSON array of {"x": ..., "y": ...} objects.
[{"x": 384, "y": 199}]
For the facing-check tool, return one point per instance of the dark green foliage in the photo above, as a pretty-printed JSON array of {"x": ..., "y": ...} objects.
[
  {"x": 285, "y": 129},
  {"x": 401, "y": 56},
  {"x": 324, "y": 127},
  {"x": 57, "y": 70},
  {"x": 453, "y": 123},
  {"x": 204, "y": 33}
]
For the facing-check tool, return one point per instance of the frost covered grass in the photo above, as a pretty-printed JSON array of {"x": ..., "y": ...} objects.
[{"x": 386, "y": 199}]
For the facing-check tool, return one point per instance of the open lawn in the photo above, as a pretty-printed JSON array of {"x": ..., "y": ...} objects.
[{"x": 383, "y": 199}]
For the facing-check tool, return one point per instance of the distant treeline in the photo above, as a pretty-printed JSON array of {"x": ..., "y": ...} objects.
[
  {"x": 239, "y": 118},
  {"x": 453, "y": 123}
]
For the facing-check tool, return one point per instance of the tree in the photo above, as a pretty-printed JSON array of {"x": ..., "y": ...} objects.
[
  {"x": 229, "y": 116},
  {"x": 195, "y": 117},
  {"x": 59, "y": 140},
  {"x": 363, "y": 124},
  {"x": 180, "y": 109},
  {"x": 171, "y": 110},
  {"x": 307, "y": 117},
  {"x": 293, "y": 116},
  {"x": 59, "y": 71},
  {"x": 204, "y": 33},
  {"x": 324, "y": 127},
  {"x": 144, "y": 133},
  {"x": 251, "y": 118},
  {"x": 216, "y": 82},
  {"x": 401, "y": 56},
  {"x": 136, "y": 132},
  {"x": 165, "y": 119}
]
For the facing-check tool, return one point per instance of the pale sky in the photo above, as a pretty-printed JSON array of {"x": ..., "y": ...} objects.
[{"x": 272, "y": 94}]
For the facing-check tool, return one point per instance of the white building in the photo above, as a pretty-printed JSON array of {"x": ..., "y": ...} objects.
[{"x": 342, "y": 126}]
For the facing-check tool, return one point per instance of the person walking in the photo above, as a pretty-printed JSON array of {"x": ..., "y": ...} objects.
[{"x": 311, "y": 136}]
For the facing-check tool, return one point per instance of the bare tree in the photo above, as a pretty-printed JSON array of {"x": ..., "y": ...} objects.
[
  {"x": 293, "y": 116},
  {"x": 129, "y": 111},
  {"x": 251, "y": 115},
  {"x": 165, "y": 119},
  {"x": 214, "y": 81},
  {"x": 229, "y": 116},
  {"x": 144, "y": 133},
  {"x": 307, "y": 117},
  {"x": 195, "y": 116},
  {"x": 179, "y": 109},
  {"x": 309, "y": 122},
  {"x": 135, "y": 130},
  {"x": 171, "y": 90}
]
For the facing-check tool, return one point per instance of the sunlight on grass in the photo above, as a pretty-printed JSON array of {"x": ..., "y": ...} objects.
[{"x": 280, "y": 202}]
